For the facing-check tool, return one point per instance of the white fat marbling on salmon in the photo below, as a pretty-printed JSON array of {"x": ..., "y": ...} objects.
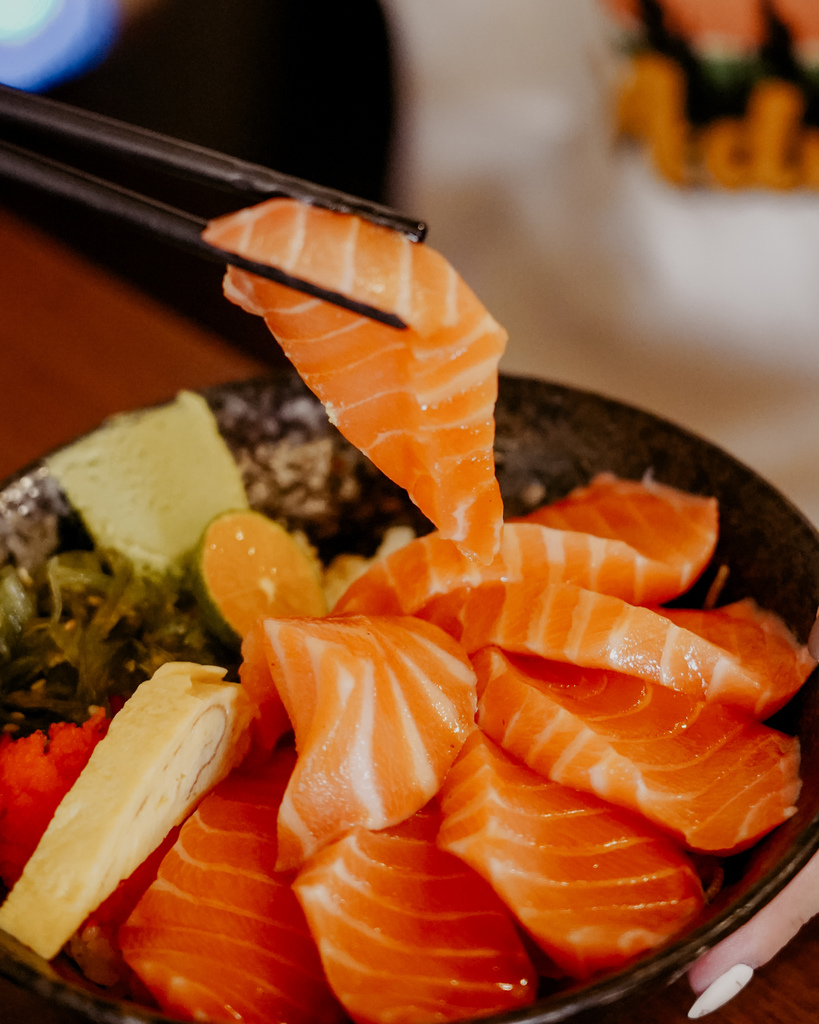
[
  {"x": 424, "y": 402},
  {"x": 555, "y": 727},
  {"x": 291, "y": 258},
  {"x": 669, "y": 656},
  {"x": 583, "y": 616},
  {"x": 458, "y": 347},
  {"x": 723, "y": 682},
  {"x": 211, "y": 830},
  {"x": 437, "y": 582},
  {"x": 291, "y": 821},
  {"x": 346, "y": 282},
  {"x": 539, "y": 624},
  {"x": 612, "y": 767},
  {"x": 451, "y": 298},
  {"x": 242, "y": 291},
  {"x": 224, "y": 866},
  {"x": 208, "y": 899},
  {"x": 304, "y": 308},
  {"x": 636, "y": 939},
  {"x": 572, "y": 750},
  {"x": 404, "y": 301},
  {"x": 419, "y": 757},
  {"x": 511, "y": 554},
  {"x": 319, "y": 340},
  {"x": 460, "y": 520},
  {"x": 469, "y": 377},
  {"x": 439, "y": 704},
  {"x": 360, "y": 752},
  {"x": 555, "y": 545},
  {"x": 598, "y": 555},
  {"x": 642, "y": 571},
  {"x": 511, "y": 725}
]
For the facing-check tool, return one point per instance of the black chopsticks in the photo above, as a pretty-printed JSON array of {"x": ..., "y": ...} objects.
[{"x": 180, "y": 159}]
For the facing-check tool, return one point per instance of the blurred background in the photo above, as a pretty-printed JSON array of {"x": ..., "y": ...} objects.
[{"x": 495, "y": 123}]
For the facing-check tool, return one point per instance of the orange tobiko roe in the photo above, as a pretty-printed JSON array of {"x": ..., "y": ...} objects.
[{"x": 36, "y": 772}]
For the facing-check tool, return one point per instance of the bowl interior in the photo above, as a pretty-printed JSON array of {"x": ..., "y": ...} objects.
[{"x": 550, "y": 438}]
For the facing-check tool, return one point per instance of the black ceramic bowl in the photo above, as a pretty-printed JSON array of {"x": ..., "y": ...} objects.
[{"x": 549, "y": 439}]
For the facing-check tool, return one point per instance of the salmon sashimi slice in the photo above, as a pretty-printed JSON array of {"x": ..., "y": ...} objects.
[
  {"x": 563, "y": 622},
  {"x": 220, "y": 935},
  {"x": 710, "y": 774},
  {"x": 270, "y": 720},
  {"x": 409, "y": 934},
  {"x": 406, "y": 580},
  {"x": 759, "y": 639},
  {"x": 666, "y": 525},
  {"x": 380, "y": 707},
  {"x": 418, "y": 402},
  {"x": 593, "y": 884},
  {"x": 517, "y": 715}
]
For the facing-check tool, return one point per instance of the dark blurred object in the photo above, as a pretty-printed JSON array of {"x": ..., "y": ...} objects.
[
  {"x": 300, "y": 85},
  {"x": 304, "y": 86}
]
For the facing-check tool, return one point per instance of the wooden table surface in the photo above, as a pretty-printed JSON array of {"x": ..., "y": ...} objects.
[{"x": 77, "y": 345}]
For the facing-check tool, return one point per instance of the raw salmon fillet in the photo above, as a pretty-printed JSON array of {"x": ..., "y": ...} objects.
[
  {"x": 666, "y": 525},
  {"x": 563, "y": 622},
  {"x": 94, "y": 947},
  {"x": 759, "y": 639},
  {"x": 516, "y": 714},
  {"x": 380, "y": 707},
  {"x": 418, "y": 402},
  {"x": 594, "y": 885},
  {"x": 709, "y": 774},
  {"x": 405, "y": 581},
  {"x": 270, "y": 721},
  {"x": 407, "y": 933},
  {"x": 220, "y": 935}
]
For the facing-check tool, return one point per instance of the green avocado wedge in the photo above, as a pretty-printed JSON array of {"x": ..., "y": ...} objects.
[{"x": 147, "y": 483}]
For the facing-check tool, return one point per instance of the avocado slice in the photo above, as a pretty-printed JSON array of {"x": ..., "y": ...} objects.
[{"x": 147, "y": 483}]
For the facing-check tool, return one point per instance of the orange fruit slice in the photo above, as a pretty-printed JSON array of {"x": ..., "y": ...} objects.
[{"x": 246, "y": 566}]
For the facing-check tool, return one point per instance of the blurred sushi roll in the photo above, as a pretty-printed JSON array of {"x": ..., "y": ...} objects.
[{"x": 721, "y": 93}]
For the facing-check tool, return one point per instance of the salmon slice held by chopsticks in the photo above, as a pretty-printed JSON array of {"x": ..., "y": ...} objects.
[{"x": 418, "y": 402}]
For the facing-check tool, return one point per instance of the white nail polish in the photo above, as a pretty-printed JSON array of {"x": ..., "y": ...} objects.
[{"x": 722, "y": 990}]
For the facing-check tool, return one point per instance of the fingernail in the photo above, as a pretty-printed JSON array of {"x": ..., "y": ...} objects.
[{"x": 722, "y": 990}]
